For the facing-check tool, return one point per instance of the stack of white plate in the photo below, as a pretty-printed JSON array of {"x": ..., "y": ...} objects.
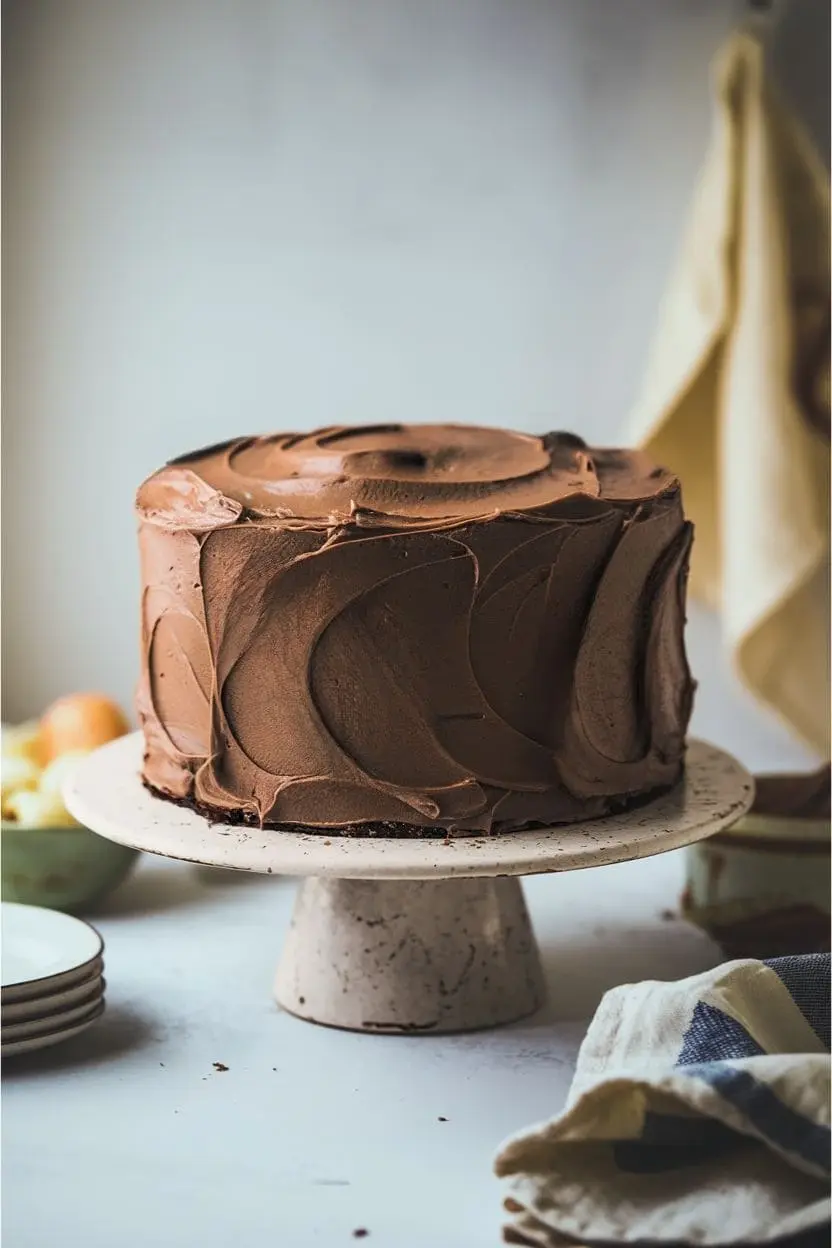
[{"x": 52, "y": 978}]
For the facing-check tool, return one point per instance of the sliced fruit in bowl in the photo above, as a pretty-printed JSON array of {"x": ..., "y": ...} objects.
[{"x": 48, "y": 858}]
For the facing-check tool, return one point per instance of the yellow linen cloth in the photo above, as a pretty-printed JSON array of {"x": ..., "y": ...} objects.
[{"x": 736, "y": 395}]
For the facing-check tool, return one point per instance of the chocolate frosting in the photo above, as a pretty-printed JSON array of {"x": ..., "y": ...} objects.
[{"x": 435, "y": 626}]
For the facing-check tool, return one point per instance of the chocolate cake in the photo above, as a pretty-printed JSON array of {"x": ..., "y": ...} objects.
[{"x": 410, "y": 630}]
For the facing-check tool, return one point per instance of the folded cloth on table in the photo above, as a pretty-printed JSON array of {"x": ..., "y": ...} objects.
[
  {"x": 698, "y": 1114},
  {"x": 736, "y": 398}
]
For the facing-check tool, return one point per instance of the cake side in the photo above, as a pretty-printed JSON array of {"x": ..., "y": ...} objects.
[{"x": 403, "y": 627}]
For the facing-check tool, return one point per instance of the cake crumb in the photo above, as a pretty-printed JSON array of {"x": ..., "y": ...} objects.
[
  {"x": 221, "y": 1066},
  {"x": 441, "y": 1119},
  {"x": 668, "y": 915},
  {"x": 360, "y": 1232}
]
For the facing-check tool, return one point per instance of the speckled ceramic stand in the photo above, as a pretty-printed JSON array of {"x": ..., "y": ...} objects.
[
  {"x": 410, "y": 955},
  {"x": 406, "y": 935}
]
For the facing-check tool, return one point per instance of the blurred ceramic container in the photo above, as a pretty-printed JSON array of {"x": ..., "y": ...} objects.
[
  {"x": 761, "y": 889},
  {"x": 61, "y": 868}
]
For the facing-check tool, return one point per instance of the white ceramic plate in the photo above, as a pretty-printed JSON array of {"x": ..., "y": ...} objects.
[
  {"x": 49, "y": 1023},
  {"x": 105, "y": 792},
  {"x": 44, "y": 950},
  {"x": 54, "y": 1037},
  {"x": 54, "y": 1002},
  {"x": 39, "y": 988}
]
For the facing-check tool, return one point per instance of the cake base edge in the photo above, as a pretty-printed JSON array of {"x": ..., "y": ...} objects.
[{"x": 407, "y": 831}]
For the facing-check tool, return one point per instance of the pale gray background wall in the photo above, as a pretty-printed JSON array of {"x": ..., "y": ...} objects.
[{"x": 223, "y": 217}]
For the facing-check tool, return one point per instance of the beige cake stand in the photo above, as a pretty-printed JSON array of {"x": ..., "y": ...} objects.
[{"x": 406, "y": 935}]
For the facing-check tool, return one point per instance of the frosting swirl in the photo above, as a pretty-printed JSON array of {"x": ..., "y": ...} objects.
[
  {"x": 429, "y": 626},
  {"x": 399, "y": 475}
]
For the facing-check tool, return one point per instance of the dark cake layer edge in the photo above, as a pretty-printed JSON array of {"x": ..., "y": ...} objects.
[{"x": 408, "y": 831}]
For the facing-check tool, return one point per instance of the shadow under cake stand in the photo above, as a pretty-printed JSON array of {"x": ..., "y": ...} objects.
[{"x": 389, "y": 935}]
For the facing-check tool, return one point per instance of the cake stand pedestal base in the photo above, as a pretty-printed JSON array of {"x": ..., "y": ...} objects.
[
  {"x": 411, "y": 935},
  {"x": 410, "y": 955}
]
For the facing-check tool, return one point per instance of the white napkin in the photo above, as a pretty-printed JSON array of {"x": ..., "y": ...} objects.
[{"x": 699, "y": 1114}]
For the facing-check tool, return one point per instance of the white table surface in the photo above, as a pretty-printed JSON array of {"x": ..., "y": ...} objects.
[{"x": 127, "y": 1137}]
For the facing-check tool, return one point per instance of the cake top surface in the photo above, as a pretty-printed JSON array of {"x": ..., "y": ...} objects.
[{"x": 391, "y": 475}]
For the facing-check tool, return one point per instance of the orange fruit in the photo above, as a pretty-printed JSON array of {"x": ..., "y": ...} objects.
[{"x": 80, "y": 721}]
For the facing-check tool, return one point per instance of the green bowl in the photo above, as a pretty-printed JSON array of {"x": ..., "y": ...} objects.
[{"x": 61, "y": 868}]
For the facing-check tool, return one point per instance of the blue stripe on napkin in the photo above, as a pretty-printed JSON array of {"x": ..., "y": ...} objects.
[
  {"x": 764, "y": 1110},
  {"x": 713, "y": 1036},
  {"x": 671, "y": 1141},
  {"x": 807, "y": 977}
]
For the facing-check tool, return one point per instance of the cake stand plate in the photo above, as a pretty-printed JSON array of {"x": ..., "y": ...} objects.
[{"x": 422, "y": 935}]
